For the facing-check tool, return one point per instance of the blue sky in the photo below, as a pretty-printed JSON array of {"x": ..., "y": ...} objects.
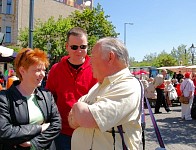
[{"x": 157, "y": 24}]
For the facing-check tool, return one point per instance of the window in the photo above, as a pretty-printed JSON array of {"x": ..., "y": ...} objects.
[
  {"x": 0, "y": 6},
  {"x": 9, "y": 7},
  {"x": 8, "y": 35}
]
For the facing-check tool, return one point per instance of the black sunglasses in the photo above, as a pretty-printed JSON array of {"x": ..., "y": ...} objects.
[{"x": 75, "y": 47}]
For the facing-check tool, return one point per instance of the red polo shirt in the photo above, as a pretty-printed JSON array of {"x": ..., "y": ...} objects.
[{"x": 68, "y": 85}]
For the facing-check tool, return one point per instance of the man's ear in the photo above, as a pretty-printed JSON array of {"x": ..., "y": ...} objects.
[{"x": 112, "y": 56}]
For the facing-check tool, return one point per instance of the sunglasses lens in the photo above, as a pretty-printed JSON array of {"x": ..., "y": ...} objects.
[
  {"x": 83, "y": 46},
  {"x": 74, "y": 47}
]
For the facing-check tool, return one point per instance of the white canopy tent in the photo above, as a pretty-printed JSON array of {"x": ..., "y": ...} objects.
[
  {"x": 191, "y": 67},
  {"x": 6, "y": 52},
  {"x": 183, "y": 69},
  {"x": 174, "y": 68}
]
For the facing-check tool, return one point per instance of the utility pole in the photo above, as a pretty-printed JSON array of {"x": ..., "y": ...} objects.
[{"x": 31, "y": 11}]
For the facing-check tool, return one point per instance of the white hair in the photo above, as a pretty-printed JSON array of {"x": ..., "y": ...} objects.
[{"x": 108, "y": 44}]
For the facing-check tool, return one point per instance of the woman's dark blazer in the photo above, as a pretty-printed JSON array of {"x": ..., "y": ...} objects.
[{"x": 14, "y": 120}]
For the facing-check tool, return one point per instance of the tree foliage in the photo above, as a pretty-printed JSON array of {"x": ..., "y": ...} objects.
[
  {"x": 164, "y": 59},
  {"x": 182, "y": 55},
  {"x": 95, "y": 22},
  {"x": 97, "y": 25},
  {"x": 54, "y": 31},
  {"x": 178, "y": 56}
]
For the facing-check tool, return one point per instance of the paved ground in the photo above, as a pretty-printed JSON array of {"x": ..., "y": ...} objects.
[{"x": 177, "y": 134}]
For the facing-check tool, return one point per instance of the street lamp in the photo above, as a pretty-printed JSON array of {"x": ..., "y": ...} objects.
[
  {"x": 192, "y": 52},
  {"x": 185, "y": 55},
  {"x": 125, "y": 31}
]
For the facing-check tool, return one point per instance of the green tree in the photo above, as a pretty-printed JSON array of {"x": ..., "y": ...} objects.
[
  {"x": 150, "y": 57},
  {"x": 54, "y": 31},
  {"x": 147, "y": 60},
  {"x": 179, "y": 56},
  {"x": 95, "y": 22},
  {"x": 182, "y": 55},
  {"x": 50, "y": 31},
  {"x": 164, "y": 59}
]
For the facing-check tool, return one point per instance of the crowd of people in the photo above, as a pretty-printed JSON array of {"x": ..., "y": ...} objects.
[
  {"x": 7, "y": 79},
  {"x": 82, "y": 102},
  {"x": 164, "y": 91}
]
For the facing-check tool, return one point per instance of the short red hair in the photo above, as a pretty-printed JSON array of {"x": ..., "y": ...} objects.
[{"x": 27, "y": 57}]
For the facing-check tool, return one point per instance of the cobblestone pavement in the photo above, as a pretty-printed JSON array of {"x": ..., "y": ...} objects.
[{"x": 177, "y": 134}]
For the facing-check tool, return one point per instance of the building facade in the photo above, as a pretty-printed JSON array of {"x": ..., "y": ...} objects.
[{"x": 14, "y": 14}]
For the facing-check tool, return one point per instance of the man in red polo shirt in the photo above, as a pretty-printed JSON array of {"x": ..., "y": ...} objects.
[
  {"x": 70, "y": 79},
  {"x": 159, "y": 85}
]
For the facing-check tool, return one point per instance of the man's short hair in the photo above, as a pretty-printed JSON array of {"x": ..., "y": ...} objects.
[{"x": 76, "y": 31}]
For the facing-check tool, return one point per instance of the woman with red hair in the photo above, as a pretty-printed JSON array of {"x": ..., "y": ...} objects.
[{"x": 29, "y": 118}]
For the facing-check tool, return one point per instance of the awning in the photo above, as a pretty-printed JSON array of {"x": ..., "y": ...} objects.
[
  {"x": 183, "y": 69},
  {"x": 174, "y": 68},
  {"x": 7, "y": 54}
]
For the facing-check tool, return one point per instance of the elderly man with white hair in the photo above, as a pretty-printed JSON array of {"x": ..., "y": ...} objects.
[{"x": 115, "y": 100}]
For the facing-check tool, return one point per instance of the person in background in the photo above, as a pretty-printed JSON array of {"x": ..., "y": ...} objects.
[
  {"x": 179, "y": 93},
  {"x": 170, "y": 92},
  {"x": 194, "y": 82},
  {"x": 1, "y": 87},
  {"x": 2, "y": 78},
  {"x": 151, "y": 93},
  {"x": 159, "y": 85},
  {"x": 115, "y": 100},
  {"x": 174, "y": 75},
  {"x": 174, "y": 82},
  {"x": 70, "y": 79},
  {"x": 187, "y": 88},
  {"x": 179, "y": 76},
  {"x": 12, "y": 77},
  {"x": 193, "y": 107},
  {"x": 150, "y": 90},
  {"x": 29, "y": 118}
]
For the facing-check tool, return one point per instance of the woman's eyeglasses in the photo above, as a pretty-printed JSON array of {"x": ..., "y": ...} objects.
[{"x": 75, "y": 47}]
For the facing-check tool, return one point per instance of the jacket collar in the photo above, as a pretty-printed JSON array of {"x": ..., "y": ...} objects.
[{"x": 18, "y": 97}]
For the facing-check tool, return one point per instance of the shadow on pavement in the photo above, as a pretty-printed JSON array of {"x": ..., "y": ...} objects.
[{"x": 173, "y": 129}]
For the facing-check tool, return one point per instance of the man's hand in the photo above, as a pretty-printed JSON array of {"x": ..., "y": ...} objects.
[
  {"x": 45, "y": 126},
  {"x": 72, "y": 122}
]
